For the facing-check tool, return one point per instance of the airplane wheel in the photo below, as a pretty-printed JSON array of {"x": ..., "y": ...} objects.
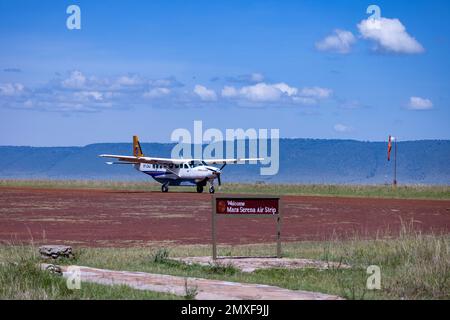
[
  {"x": 199, "y": 189},
  {"x": 164, "y": 188},
  {"x": 211, "y": 189}
]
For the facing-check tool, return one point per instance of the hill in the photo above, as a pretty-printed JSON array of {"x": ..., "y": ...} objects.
[{"x": 301, "y": 161}]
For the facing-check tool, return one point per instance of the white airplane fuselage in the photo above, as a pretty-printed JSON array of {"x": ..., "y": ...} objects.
[{"x": 183, "y": 174}]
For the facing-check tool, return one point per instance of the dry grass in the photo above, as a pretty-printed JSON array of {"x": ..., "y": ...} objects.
[
  {"x": 413, "y": 266},
  {"x": 377, "y": 191}
]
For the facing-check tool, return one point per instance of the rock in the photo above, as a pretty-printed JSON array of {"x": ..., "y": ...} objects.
[
  {"x": 52, "y": 268},
  {"x": 56, "y": 251}
]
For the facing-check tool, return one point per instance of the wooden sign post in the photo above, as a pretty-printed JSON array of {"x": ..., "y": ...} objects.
[{"x": 245, "y": 206}]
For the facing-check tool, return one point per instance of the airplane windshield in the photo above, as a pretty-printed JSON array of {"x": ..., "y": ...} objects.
[{"x": 194, "y": 164}]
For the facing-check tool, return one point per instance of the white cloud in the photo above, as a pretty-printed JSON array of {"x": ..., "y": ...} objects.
[
  {"x": 204, "y": 93},
  {"x": 260, "y": 92},
  {"x": 267, "y": 92},
  {"x": 11, "y": 89},
  {"x": 283, "y": 87},
  {"x": 76, "y": 80},
  {"x": 341, "y": 128},
  {"x": 340, "y": 41},
  {"x": 157, "y": 93},
  {"x": 77, "y": 92},
  {"x": 389, "y": 35},
  {"x": 418, "y": 103},
  {"x": 263, "y": 92}
]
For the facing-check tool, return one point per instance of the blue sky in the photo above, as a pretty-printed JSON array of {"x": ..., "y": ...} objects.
[{"x": 313, "y": 69}]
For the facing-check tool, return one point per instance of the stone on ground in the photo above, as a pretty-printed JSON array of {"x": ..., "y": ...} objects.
[{"x": 56, "y": 251}]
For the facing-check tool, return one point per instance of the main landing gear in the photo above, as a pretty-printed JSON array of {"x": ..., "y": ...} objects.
[
  {"x": 200, "y": 189},
  {"x": 165, "y": 188}
]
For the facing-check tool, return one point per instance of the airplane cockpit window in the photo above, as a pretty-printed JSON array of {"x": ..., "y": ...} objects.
[{"x": 194, "y": 164}]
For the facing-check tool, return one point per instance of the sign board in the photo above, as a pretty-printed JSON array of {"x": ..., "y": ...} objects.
[{"x": 245, "y": 206}]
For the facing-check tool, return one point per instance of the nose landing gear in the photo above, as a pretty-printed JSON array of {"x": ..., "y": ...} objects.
[
  {"x": 165, "y": 188},
  {"x": 211, "y": 189}
]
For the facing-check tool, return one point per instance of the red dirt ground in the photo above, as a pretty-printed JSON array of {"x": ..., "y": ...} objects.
[{"x": 125, "y": 218}]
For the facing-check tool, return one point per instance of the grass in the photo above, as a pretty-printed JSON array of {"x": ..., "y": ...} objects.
[
  {"x": 413, "y": 266},
  {"x": 376, "y": 191},
  {"x": 22, "y": 279}
]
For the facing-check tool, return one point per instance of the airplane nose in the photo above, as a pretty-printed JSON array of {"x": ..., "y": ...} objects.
[{"x": 215, "y": 174}]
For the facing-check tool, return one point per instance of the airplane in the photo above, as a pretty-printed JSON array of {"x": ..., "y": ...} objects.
[{"x": 176, "y": 172}]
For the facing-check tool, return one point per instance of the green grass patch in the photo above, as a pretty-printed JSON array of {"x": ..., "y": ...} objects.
[
  {"x": 413, "y": 266},
  {"x": 22, "y": 279},
  {"x": 375, "y": 191}
]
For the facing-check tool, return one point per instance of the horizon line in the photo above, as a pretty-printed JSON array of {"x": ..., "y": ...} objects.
[{"x": 171, "y": 142}]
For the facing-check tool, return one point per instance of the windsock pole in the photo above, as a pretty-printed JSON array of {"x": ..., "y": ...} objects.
[{"x": 395, "y": 162}]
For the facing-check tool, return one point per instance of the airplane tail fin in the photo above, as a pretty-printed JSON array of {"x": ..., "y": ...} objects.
[{"x": 137, "y": 150}]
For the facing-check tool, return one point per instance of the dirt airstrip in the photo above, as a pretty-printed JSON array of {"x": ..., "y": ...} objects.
[{"x": 126, "y": 218}]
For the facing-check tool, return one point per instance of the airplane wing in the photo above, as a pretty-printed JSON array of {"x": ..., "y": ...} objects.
[
  {"x": 230, "y": 161},
  {"x": 151, "y": 160}
]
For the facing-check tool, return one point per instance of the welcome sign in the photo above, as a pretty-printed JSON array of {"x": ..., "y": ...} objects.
[{"x": 246, "y": 206}]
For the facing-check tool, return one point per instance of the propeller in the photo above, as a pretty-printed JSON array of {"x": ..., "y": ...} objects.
[
  {"x": 217, "y": 173},
  {"x": 218, "y": 179}
]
